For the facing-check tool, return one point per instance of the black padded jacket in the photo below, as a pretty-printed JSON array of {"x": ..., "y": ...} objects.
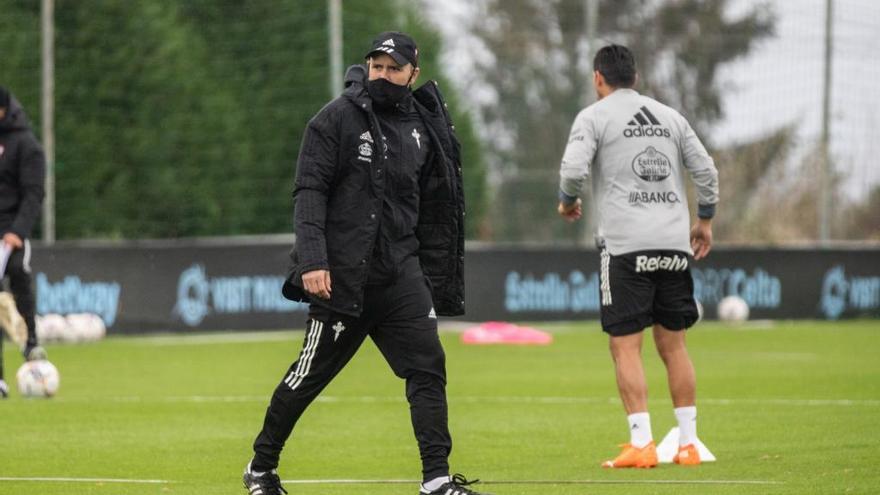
[
  {"x": 338, "y": 200},
  {"x": 22, "y": 172}
]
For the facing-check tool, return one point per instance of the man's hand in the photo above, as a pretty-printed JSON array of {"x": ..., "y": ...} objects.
[
  {"x": 317, "y": 283},
  {"x": 701, "y": 238},
  {"x": 12, "y": 240},
  {"x": 570, "y": 212}
]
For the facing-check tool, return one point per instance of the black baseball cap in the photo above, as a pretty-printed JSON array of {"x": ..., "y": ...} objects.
[{"x": 399, "y": 46}]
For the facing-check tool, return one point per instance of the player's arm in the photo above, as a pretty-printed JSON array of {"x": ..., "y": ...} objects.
[
  {"x": 575, "y": 167},
  {"x": 702, "y": 170},
  {"x": 31, "y": 177},
  {"x": 315, "y": 170}
]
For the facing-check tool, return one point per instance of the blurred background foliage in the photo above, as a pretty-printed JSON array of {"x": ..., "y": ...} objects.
[
  {"x": 182, "y": 119},
  {"x": 179, "y": 119}
]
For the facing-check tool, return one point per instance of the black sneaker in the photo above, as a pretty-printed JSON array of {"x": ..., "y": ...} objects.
[
  {"x": 455, "y": 486},
  {"x": 34, "y": 352},
  {"x": 267, "y": 483}
]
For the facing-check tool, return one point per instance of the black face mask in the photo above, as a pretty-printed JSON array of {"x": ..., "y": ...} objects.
[{"x": 386, "y": 94}]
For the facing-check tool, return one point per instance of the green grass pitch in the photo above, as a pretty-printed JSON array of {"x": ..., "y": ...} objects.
[{"x": 793, "y": 407}]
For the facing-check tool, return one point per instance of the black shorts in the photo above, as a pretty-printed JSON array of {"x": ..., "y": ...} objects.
[{"x": 641, "y": 288}]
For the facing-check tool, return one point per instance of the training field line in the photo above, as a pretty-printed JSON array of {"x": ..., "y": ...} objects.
[
  {"x": 215, "y": 338},
  {"x": 330, "y": 399},
  {"x": 543, "y": 482},
  {"x": 85, "y": 480},
  {"x": 414, "y": 482}
]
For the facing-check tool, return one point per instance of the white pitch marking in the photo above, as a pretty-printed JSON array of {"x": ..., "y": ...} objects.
[
  {"x": 604, "y": 400},
  {"x": 542, "y": 482},
  {"x": 214, "y": 338},
  {"x": 375, "y": 399},
  {"x": 83, "y": 480},
  {"x": 413, "y": 481}
]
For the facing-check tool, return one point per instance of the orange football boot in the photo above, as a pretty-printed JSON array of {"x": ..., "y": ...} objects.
[
  {"x": 645, "y": 457},
  {"x": 687, "y": 455}
]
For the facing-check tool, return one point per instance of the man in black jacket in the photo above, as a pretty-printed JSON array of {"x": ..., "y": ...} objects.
[
  {"x": 22, "y": 172},
  {"x": 379, "y": 252}
]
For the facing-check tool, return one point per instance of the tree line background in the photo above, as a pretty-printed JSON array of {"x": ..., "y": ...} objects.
[
  {"x": 177, "y": 119},
  {"x": 182, "y": 119},
  {"x": 537, "y": 61}
]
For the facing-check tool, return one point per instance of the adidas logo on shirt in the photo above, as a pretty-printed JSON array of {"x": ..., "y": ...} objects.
[{"x": 645, "y": 124}]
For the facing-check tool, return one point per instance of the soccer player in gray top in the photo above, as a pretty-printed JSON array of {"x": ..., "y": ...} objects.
[{"x": 636, "y": 152}]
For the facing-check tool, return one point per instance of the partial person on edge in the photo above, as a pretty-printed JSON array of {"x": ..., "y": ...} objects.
[{"x": 22, "y": 176}]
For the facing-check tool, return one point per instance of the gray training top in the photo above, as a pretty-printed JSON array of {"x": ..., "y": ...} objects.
[{"x": 636, "y": 150}]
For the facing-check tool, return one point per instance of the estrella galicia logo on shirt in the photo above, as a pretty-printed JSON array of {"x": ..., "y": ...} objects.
[
  {"x": 645, "y": 124},
  {"x": 651, "y": 165}
]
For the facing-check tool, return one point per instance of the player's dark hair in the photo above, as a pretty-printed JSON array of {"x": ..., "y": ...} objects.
[{"x": 617, "y": 65}]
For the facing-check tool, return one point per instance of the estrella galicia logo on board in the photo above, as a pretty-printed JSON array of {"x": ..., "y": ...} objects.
[{"x": 652, "y": 165}]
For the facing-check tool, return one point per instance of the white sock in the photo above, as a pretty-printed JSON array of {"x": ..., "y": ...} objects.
[
  {"x": 430, "y": 486},
  {"x": 687, "y": 424},
  {"x": 639, "y": 429}
]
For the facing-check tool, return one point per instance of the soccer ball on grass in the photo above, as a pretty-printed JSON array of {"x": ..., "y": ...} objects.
[
  {"x": 733, "y": 309},
  {"x": 38, "y": 379}
]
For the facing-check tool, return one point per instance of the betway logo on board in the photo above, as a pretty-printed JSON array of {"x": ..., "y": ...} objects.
[{"x": 72, "y": 295}]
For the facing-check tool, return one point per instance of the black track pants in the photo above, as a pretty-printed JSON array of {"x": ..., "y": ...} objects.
[
  {"x": 18, "y": 270},
  {"x": 400, "y": 320}
]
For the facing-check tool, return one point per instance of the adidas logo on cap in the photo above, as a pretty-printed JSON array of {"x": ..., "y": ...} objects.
[{"x": 388, "y": 42}]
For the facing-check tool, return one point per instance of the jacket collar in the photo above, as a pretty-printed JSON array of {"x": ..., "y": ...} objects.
[
  {"x": 428, "y": 95},
  {"x": 355, "y": 87}
]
